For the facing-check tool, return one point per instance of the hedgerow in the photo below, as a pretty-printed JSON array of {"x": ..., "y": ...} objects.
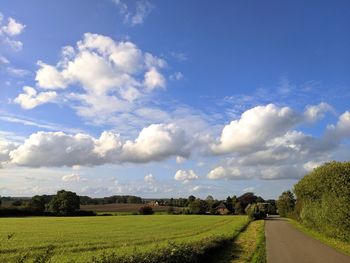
[
  {"x": 323, "y": 199},
  {"x": 172, "y": 253}
]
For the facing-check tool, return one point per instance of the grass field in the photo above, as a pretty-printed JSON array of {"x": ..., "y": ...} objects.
[{"x": 79, "y": 238}]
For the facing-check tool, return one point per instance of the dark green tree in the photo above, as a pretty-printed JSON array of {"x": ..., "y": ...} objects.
[
  {"x": 37, "y": 204},
  {"x": 198, "y": 207},
  {"x": 286, "y": 203},
  {"x": 191, "y": 198},
  {"x": 64, "y": 203}
]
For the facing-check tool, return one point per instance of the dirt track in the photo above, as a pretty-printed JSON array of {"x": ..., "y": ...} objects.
[{"x": 285, "y": 244}]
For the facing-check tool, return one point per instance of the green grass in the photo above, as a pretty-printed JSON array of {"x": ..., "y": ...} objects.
[
  {"x": 259, "y": 255},
  {"x": 80, "y": 238},
  {"x": 248, "y": 246},
  {"x": 332, "y": 242}
]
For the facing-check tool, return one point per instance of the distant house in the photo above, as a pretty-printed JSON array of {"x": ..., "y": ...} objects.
[{"x": 222, "y": 209}]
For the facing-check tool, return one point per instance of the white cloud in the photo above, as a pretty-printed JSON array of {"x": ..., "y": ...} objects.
[
  {"x": 142, "y": 9},
  {"x": 254, "y": 128},
  {"x": 288, "y": 155},
  {"x": 5, "y": 149},
  {"x": 149, "y": 178},
  {"x": 12, "y": 28},
  {"x": 157, "y": 142},
  {"x": 56, "y": 149},
  {"x": 71, "y": 178},
  {"x": 176, "y": 76},
  {"x": 9, "y": 30},
  {"x": 185, "y": 176},
  {"x": 153, "y": 80},
  {"x": 180, "y": 159},
  {"x": 48, "y": 77},
  {"x": 314, "y": 113},
  {"x": 114, "y": 76},
  {"x": 31, "y": 98}
]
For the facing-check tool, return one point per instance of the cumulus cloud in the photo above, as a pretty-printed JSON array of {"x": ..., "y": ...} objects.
[
  {"x": 31, "y": 98},
  {"x": 314, "y": 113},
  {"x": 185, "y": 176},
  {"x": 290, "y": 154},
  {"x": 153, "y": 80},
  {"x": 254, "y": 128},
  {"x": 9, "y": 29},
  {"x": 56, "y": 149},
  {"x": 114, "y": 76},
  {"x": 5, "y": 149},
  {"x": 13, "y": 27},
  {"x": 157, "y": 142}
]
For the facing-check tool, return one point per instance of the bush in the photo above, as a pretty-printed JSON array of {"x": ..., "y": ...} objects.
[
  {"x": 323, "y": 199},
  {"x": 255, "y": 212},
  {"x": 64, "y": 203},
  {"x": 146, "y": 210},
  {"x": 173, "y": 253}
]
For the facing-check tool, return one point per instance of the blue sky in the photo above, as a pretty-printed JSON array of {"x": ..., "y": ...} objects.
[{"x": 169, "y": 98}]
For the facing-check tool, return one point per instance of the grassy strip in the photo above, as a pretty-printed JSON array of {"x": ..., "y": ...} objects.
[
  {"x": 259, "y": 255},
  {"x": 332, "y": 242},
  {"x": 248, "y": 246}
]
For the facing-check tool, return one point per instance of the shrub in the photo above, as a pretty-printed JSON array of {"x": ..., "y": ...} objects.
[
  {"x": 255, "y": 212},
  {"x": 173, "y": 253},
  {"x": 286, "y": 203},
  {"x": 146, "y": 210},
  {"x": 323, "y": 199}
]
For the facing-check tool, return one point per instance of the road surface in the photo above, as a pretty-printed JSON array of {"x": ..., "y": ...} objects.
[{"x": 285, "y": 244}]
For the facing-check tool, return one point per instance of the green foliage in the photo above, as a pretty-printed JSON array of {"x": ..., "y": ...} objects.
[
  {"x": 146, "y": 210},
  {"x": 198, "y": 207},
  {"x": 256, "y": 212},
  {"x": 323, "y": 200},
  {"x": 17, "y": 203},
  {"x": 173, "y": 253},
  {"x": 64, "y": 203},
  {"x": 37, "y": 204},
  {"x": 259, "y": 255},
  {"x": 286, "y": 203}
]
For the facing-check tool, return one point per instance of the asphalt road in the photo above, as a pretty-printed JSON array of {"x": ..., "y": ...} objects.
[{"x": 285, "y": 244}]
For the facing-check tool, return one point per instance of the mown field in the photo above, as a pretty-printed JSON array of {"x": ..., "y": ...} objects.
[{"x": 77, "y": 239}]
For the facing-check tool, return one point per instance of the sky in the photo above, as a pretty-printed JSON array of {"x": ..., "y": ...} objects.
[{"x": 171, "y": 98}]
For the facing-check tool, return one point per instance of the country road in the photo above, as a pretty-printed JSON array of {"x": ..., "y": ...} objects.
[{"x": 285, "y": 244}]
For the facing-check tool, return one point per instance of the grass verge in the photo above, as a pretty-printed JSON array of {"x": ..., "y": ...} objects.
[
  {"x": 259, "y": 255},
  {"x": 332, "y": 242},
  {"x": 248, "y": 246}
]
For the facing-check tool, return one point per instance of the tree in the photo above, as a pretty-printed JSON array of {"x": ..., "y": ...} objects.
[
  {"x": 285, "y": 203},
  {"x": 246, "y": 199},
  {"x": 323, "y": 198},
  {"x": 37, "y": 203},
  {"x": 64, "y": 203},
  {"x": 17, "y": 203},
  {"x": 146, "y": 210},
  {"x": 239, "y": 209},
  {"x": 229, "y": 204},
  {"x": 198, "y": 207},
  {"x": 191, "y": 198}
]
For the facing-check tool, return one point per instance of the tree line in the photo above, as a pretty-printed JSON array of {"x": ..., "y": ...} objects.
[{"x": 321, "y": 200}]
